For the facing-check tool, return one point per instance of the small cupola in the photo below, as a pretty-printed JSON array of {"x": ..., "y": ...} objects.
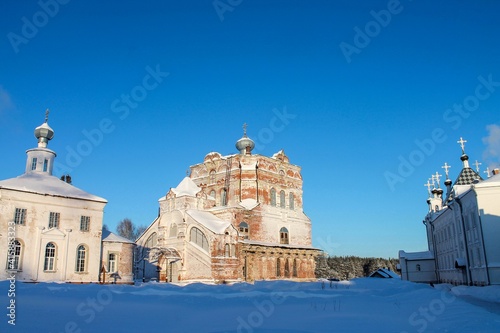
[{"x": 245, "y": 145}]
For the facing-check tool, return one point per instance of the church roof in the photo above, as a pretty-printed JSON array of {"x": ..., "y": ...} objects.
[
  {"x": 209, "y": 221},
  {"x": 467, "y": 177},
  {"x": 108, "y": 236},
  {"x": 492, "y": 181},
  {"x": 186, "y": 188},
  {"x": 45, "y": 184}
]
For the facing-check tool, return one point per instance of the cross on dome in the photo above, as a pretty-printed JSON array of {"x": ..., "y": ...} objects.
[
  {"x": 487, "y": 172},
  {"x": 446, "y": 168},
  {"x": 428, "y": 185},
  {"x": 477, "y": 164},
  {"x": 245, "y": 125},
  {"x": 47, "y": 115},
  {"x": 433, "y": 181},
  {"x": 438, "y": 178},
  {"x": 462, "y": 144}
]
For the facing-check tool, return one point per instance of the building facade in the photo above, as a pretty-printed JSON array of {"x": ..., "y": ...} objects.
[
  {"x": 235, "y": 217},
  {"x": 52, "y": 230},
  {"x": 463, "y": 229}
]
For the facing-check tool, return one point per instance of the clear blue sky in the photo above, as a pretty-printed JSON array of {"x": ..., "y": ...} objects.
[{"x": 361, "y": 82}]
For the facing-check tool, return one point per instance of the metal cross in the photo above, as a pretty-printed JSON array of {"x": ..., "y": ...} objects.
[
  {"x": 462, "y": 144},
  {"x": 245, "y": 128},
  {"x": 433, "y": 180},
  {"x": 438, "y": 177},
  {"x": 47, "y": 115},
  {"x": 446, "y": 167},
  {"x": 477, "y": 164},
  {"x": 487, "y": 172},
  {"x": 428, "y": 185}
]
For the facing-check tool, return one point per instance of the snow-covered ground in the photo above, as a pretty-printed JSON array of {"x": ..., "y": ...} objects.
[{"x": 360, "y": 305}]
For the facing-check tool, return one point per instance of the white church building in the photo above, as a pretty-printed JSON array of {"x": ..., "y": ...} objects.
[
  {"x": 463, "y": 230},
  {"x": 52, "y": 230}
]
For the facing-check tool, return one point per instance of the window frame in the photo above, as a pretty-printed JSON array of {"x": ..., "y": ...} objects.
[
  {"x": 85, "y": 223},
  {"x": 282, "y": 199},
  {"x": 15, "y": 255},
  {"x": 245, "y": 233},
  {"x": 112, "y": 262},
  {"x": 54, "y": 219},
  {"x": 20, "y": 216},
  {"x": 49, "y": 263},
  {"x": 291, "y": 199},
  {"x": 34, "y": 162},
  {"x": 200, "y": 239},
  {"x": 81, "y": 260},
  {"x": 284, "y": 236},
  {"x": 272, "y": 195}
]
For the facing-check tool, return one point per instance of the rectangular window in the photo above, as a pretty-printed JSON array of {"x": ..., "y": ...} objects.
[
  {"x": 112, "y": 263},
  {"x": 33, "y": 163},
  {"x": 85, "y": 223},
  {"x": 45, "y": 165},
  {"x": 54, "y": 220},
  {"x": 20, "y": 216}
]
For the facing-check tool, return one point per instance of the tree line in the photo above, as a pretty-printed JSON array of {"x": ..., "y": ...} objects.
[{"x": 348, "y": 267}]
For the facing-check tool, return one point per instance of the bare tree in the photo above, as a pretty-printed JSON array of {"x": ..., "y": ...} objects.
[{"x": 126, "y": 229}]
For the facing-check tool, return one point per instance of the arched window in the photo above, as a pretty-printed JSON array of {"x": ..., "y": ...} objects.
[
  {"x": 287, "y": 268},
  {"x": 283, "y": 235},
  {"x": 151, "y": 242},
  {"x": 50, "y": 258},
  {"x": 81, "y": 259},
  {"x": 227, "y": 251},
  {"x": 212, "y": 177},
  {"x": 112, "y": 263},
  {"x": 282, "y": 199},
  {"x": 418, "y": 267},
  {"x": 273, "y": 197},
  {"x": 14, "y": 256},
  {"x": 199, "y": 238},
  {"x": 294, "y": 268},
  {"x": 291, "y": 204},
  {"x": 212, "y": 194},
  {"x": 173, "y": 230},
  {"x": 244, "y": 230},
  {"x": 233, "y": 250},
  {"x": 278, "y": 267},
  {"x": 223, "y": 197}
]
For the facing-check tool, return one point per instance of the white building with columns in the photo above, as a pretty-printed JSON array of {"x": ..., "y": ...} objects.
[{"x": 49, "y": 229}]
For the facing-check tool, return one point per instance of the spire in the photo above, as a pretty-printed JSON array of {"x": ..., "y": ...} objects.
[{"x": 464, "y": 157}]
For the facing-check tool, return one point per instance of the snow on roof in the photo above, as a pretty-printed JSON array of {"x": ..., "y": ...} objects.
[
  {"x": 45, "y": 184},
  {"x": 416, "y": 255},
  {"x": 186, "y": 188},
  {"x": 249, "y": 203},
  {"x": 209, "y": 220},
  {"x": 492, "y": 181},
  {"x": 385, "y": 273},
  {"x": 108, "y": 236}
]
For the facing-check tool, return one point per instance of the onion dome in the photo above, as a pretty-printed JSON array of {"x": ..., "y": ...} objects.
[
  {"x": 245, "y": 142},
  {"x": 44, "y": 133}
]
